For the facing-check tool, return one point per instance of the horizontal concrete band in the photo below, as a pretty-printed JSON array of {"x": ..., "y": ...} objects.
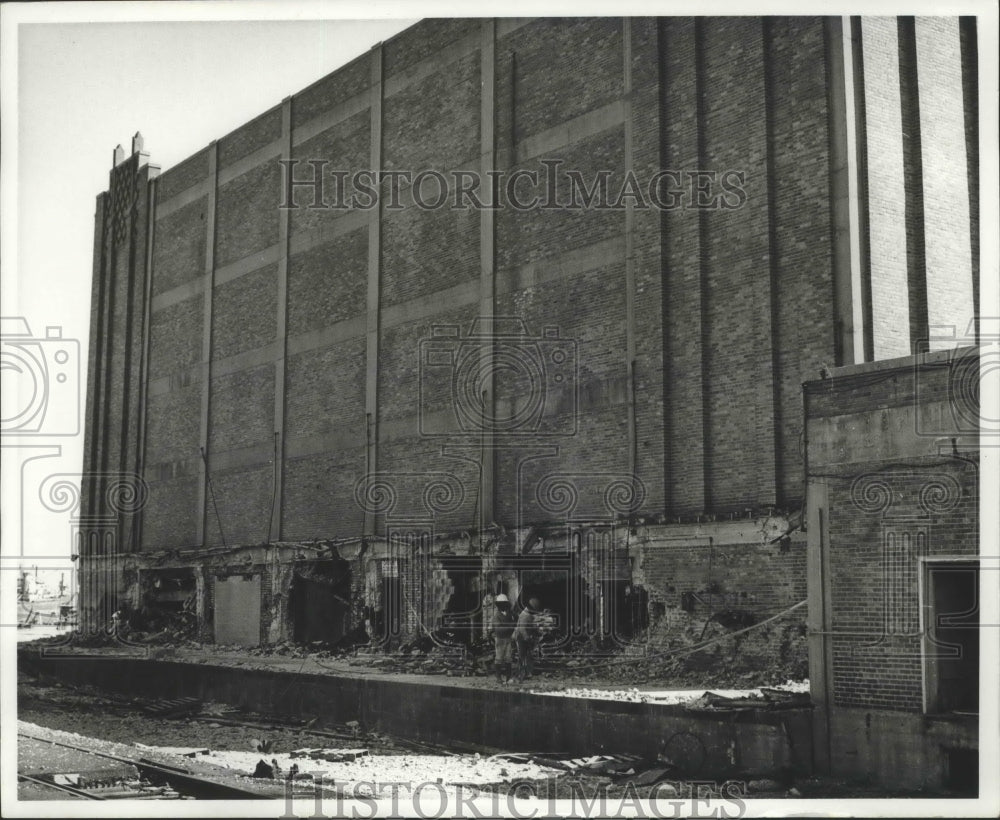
[
  {"x": 565, "y": 265},
  {"x": 338, "y": 113},
  {"x": 351, "y": 438},
  {"x": 578, "y": 128},
  {"x": 759, "y": 742},
  {"x": 905, "y": 430}
]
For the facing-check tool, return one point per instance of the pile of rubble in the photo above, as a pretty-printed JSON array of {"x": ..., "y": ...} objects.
[
  {"x": 681, "y": 649},
  {"x": 677, "y": 649}
]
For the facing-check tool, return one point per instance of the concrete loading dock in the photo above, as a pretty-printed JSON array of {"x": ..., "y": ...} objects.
[{"x": 747, "y": 742}]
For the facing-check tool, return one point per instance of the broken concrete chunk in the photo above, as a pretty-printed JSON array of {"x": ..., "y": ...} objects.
[
  {"x": 332, "y": 755},
  {"x": 651, "y": 776},
  {"x": 764, "y": 785}
]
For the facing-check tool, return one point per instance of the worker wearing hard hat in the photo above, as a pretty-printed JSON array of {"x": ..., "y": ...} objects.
[
  {"x": 526, "y": 634},
  {"x": 503, "y": 633}
]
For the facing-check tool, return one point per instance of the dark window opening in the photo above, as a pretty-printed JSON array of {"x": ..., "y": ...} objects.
[{"x": 951, "y": 643}]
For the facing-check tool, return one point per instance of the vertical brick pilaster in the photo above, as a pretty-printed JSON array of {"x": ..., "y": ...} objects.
[
  {"x": 738, "y": 268},
  {"x": 683, "y": 378},
  {"x": 487, "y": 257},
  {"x": 206, "y": 339},
  {"x": 94, "y": 430},
  {"x": 376, "y": 91},
  {"x": 913, "y": 180},
  {"x": 845, "y": 189},
  {"x": 281, "y": 337},
  {"x": 140, "y": 463},
  {"x": 970, "y": 98},
  {"x": 629, "y": 229}
]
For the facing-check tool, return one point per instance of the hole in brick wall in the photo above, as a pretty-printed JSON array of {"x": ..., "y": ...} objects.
[
  {"x": 167, "y": 601},
  {"x": 320, "y": 601},
  {"x": 462, "y": 616}
]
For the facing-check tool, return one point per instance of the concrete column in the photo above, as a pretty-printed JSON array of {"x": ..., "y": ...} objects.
[
  {"x": 886, "y": 206},
  {"x": 704, "y": 266},
  {"x": 819, "y": 620},
  {"x": 93, "y": 429},
  {"x": 281, "y": 334},
  {"x": 140, "y": 464},
  {"x": 844, "y": 191},
  {"x": 206, "y": 337},
  {"x": 683, "y": 376},
  {"x": 374, "y": 282},
  {"x": 629, "y": 228},
  {"x": 946, "y": 219},
  {"x": 487, "y": 257}
]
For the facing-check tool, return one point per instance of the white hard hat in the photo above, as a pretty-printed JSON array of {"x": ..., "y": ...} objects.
[{"x": 502, "y": 599}]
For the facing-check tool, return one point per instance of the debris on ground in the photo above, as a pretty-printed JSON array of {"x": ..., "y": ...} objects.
[
  {"x": 786, "y": 695},
  {"x": 179, "y": 751},
  {"x": 331, "y": 755},
  {"x": 729, "y": 648}
]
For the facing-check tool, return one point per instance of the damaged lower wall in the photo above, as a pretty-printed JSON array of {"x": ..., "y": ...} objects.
[
  {"x": 753, "y": 567},
  {"x": 601, "y": 583}
]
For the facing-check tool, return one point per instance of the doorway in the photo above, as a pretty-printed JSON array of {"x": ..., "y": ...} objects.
[{"x": 950, "y": 608}]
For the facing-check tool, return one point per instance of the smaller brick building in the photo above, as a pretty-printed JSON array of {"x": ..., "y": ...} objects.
[{"x": 893, "y": 569}]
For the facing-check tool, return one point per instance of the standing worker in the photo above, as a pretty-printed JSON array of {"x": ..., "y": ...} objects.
[
  {"x": 526, "y": 635},
  {"x": 503, "y": 633}
]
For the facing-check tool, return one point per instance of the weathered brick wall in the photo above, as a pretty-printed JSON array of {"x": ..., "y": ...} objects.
[
  {"x": 875, "y": 573},
  {"x": 256, "y": 134},
  {"x": 747, "y": 309},
  {"x": 721, "y": 566},
  {"x": 731, "y": 308},
  {"x": 179, "y": 251},
  {"x": 183, "y": 176},
  {"x": 760, "y": 579},
  {"x": 802, "y": 324},
  {"x": 172, "y": 461}
]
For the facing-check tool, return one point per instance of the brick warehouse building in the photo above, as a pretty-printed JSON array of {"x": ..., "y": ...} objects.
[{"x": 294, "y": 397}]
